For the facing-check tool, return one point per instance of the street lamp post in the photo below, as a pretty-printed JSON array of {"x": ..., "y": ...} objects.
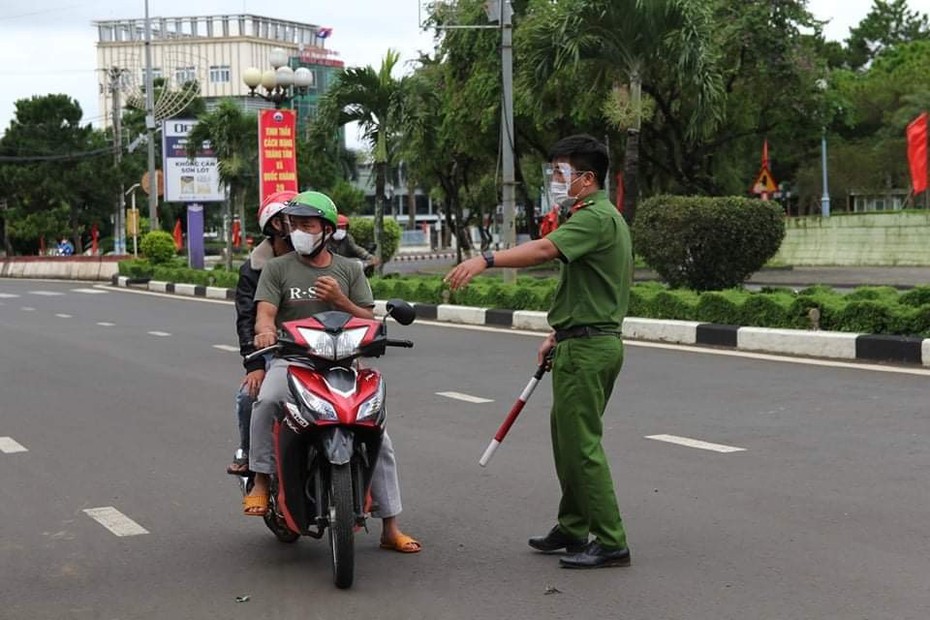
[
  {"x": 281, "y": 83},
  {"x": 825, "y": 198}
]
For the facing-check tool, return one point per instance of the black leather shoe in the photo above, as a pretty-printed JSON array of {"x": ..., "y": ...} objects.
[
  {"x": 597, "y": 556},
  {"x": 555, "y": 540}
]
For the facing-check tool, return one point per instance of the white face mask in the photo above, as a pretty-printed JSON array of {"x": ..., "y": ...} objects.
[
  {"x": 560, "y": 191},
  {"x": 340, "y": 234},
  {"x": 306, "y": 243}
]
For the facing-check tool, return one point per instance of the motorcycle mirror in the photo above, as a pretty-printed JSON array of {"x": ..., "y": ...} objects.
[{"x": 401, "y": 311}]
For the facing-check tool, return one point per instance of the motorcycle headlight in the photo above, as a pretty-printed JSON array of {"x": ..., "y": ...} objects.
[
  {"x": 333, "y": 347},
  {"x": 373, "y": 405},
  {"x": 321, "y": 409}
]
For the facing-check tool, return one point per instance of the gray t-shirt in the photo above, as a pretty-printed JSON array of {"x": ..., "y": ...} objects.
[{"x": 288, "y": 283}]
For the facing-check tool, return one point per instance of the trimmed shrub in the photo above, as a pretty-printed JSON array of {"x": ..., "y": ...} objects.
[
  {"x": 717, "y": 308},
  {"x": 917, "y": 296},
  {"x": 867, "y": 317},
  {"x": 383, "y": 288},
  {"x": 158, "y": 247},
  {"x": 707, "y": 244},
  {"x": 135, "y": 269},
  {"x": 363, "y": 231},
  {"x": 762, "y": 310},
  {"x": 886, "y": 294},
  {"x": 673, "y": 305}
]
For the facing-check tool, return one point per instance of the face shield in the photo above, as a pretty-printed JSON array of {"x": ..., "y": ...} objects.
[{"x": 558, "y": 179}]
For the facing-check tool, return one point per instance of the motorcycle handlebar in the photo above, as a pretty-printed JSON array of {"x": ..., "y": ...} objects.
[
  {"x": 256, "y": 354},
  {"x": 406, "y": 344}
]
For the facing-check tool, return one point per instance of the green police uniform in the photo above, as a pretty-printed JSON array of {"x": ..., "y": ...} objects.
[{"x": 587, "y": 313}]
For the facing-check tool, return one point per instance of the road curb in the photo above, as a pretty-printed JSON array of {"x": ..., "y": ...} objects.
[{"x": 820, "y": 344}]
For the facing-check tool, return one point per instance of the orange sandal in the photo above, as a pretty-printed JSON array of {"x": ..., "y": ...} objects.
[
  {"x": 252, "y": 502},
  {"x": 403, "y": 544}
]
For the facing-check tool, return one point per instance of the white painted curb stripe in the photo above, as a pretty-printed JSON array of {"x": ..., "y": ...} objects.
[
  {"x": 834, "y": 345},
  {"x": 185, "y": 289},
  {"x": 695, "y": 443},
  {"x": 460, "y": 314},
  {"x": 158, "y": 286},
  {"x": 530, "y": 319},
  {"x": 682, "y": 332},
  {"x": 925, "y": 351},
  {"x": 226, "y": 347},
  {"x": 115, "y": 521},
  {"x": 8, "y": 445},
  {"x": 215, "y": 292},
  {"x": 159, "y": 334},
  {"x": 466, "y": 397}
]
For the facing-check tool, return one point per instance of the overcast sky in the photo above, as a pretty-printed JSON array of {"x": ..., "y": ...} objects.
[{"x": 49, "y": 45}]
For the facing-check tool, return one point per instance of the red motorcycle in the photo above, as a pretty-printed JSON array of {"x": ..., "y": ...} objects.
[{"x": 327, "y": 440}]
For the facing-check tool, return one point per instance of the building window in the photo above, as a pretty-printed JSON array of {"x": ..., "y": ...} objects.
[
  {"x": 219, "y": 73},
  {"x": 183, "y": 75},
  {"x": 156, "y": 74}
]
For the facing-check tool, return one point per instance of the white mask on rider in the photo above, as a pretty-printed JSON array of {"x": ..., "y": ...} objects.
[
  {"x": 340, "y": 234},
  {"x": 306, "y": 243}
]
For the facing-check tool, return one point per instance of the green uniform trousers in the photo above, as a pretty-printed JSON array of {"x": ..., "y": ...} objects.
[{"x": 583, "y": 374}]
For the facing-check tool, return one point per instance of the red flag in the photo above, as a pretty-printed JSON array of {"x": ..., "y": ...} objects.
[
  {"x": 236, "y": 234},
  {"x": 94, "y": 237},
  {"x": 917, "y": 152},
  {"x": 620, "y": 192},
  {"x": 178, "y": 235}
]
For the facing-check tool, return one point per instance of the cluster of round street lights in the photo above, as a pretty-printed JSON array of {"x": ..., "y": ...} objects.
[{"x": 280, "y": 81}]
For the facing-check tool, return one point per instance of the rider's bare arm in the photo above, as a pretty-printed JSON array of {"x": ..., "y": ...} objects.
[{"x": 265, "y": 330}]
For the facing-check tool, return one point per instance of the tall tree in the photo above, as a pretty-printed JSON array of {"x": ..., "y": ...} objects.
[
  {"x": 233, "y": 136},
  {"x": 619, "y": 40},
  {"x": 373, "y": 98},
  {"x": 888, "y": 23},
  {"x": 51, "y": 163}
]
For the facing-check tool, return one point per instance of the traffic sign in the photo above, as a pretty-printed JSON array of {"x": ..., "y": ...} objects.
[{"x": 764, "y": 183}]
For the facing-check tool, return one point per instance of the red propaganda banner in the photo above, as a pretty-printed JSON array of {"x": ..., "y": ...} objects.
[
  {"x": 917, "y": 152},
  {"x": 277, "y": 155}
]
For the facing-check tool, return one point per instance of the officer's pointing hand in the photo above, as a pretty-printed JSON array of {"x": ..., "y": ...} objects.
[{"x": 464, "y": 272}]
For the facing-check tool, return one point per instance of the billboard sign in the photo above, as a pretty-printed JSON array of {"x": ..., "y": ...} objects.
[
  {"x": 188, "y": 179},
  {"x": 277, "y": 154}
]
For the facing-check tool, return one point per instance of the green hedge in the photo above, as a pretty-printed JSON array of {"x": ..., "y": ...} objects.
[{"x": 875, "y": 310}]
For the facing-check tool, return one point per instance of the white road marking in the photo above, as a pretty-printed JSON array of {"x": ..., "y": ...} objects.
[
  {"x": 8, "y": 445},
  {"x": 159, "y": 333},
  {"x": 695, "y": 443},
  {"x": 467, "y": 398},
  {"x": 63, "y": 316},
  {"x": 115, "y": 521},
  {"x": 46, "y": 293},
  {"x": 8, "y": 296},
  {"x": 27, "y": 309},
  {"x": 89, "y": 291},
  {"x": 105, "y": 324},
  {"x": 226, "y": 347}
]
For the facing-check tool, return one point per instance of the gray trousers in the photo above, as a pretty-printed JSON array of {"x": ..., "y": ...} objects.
[{"x": 385, "y": 487}]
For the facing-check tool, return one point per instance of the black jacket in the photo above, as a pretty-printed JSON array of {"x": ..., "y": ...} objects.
[
  {"x": 348, "y": 247},
  {"x": 249, "y": 273}
]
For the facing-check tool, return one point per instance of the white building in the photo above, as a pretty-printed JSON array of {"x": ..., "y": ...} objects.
[{"x": 213, "y": 50}]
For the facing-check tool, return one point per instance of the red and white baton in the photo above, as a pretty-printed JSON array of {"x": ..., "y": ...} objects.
[{"x": 515, "y": 411}]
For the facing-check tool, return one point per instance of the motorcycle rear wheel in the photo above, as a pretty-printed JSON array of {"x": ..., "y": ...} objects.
[{"x": 341, "y": 522}]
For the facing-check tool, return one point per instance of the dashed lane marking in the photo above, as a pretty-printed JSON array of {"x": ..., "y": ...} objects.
[
  {"x": 695, "y": 443},
  {"x": 105, "y": 324},
  {"x": 466, "y": 397},
  {"x": 226, "y": 347},
  {"x": 46, "y": 293},
  {"x": 89, "y": 291},
  {"x": 8, "y": 445},
  {"x": 159, "y": 334},
  {"x": 8, "y": 296},
  {"x": 115, "y": 521},
  {"x": 63, "y": 316},
  {"x": 27, "y": 309}
]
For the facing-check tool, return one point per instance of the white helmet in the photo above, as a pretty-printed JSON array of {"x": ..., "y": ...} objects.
[{"x": 271, "y": 206}]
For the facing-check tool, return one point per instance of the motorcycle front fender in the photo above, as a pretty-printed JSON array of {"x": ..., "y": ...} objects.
[{"x": 338, "y": 445}]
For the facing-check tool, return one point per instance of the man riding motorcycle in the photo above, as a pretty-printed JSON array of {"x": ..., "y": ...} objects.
[
  {"x": 298, "y": 285},
  {"x": 343, "y": 244}
]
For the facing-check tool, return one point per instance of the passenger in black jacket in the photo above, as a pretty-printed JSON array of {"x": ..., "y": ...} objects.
[{"x": 276, "y": 243}]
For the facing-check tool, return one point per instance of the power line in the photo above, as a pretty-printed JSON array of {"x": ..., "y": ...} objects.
[{"x": 65, "y": 157}]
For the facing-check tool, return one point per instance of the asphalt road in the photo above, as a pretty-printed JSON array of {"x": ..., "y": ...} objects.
[{"x": 119, "y": 400}]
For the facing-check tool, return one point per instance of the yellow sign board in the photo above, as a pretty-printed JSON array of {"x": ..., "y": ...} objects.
[
  {"x": 764, "y": 183},
  {"x": 132, "y": 222}
]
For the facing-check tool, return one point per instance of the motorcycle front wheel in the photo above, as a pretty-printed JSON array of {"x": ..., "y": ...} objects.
[{"x": 341, "y": 525}]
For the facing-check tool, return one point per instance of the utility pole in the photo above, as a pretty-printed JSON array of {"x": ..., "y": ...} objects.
[
  {"x": 115, "y": 81},
  {"x": 150, "y": 122}
]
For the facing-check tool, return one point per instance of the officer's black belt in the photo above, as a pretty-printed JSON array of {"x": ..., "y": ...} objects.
[{"x": 583, "y": 331}]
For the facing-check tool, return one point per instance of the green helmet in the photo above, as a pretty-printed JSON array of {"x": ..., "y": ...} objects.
[{"x": 313, "y": 204}]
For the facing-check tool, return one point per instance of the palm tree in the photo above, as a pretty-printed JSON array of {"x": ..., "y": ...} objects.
[
  {"x": 375, "y": 100},
  {"x": 233, "y": 137},
  {"x": 626, "y": 42}
]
